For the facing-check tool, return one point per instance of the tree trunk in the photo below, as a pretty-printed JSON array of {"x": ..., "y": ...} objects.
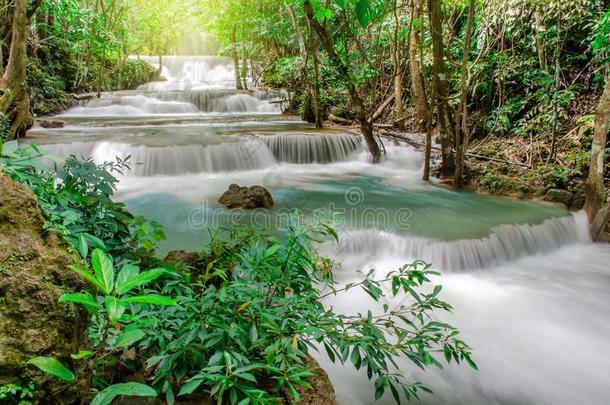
[
  {"x": 440, "y": 88},
  {"x": 244, "y": 67},
  {"x": 365, "y": 125},
  {"x": 238, "y": 85},
  {"x": 100, "y": 78},
  {"x": 398, "y": 104},
  {"x": 14, "y": 100},
  {"x": 539, "y": 23},
  {"x": 417, "y": 85},
  {"x": 317, "y": 104},
  {"x": 594, "y": 185},
  {"x": 160, "y": 65},
  {"x": 461, "y": 126}
]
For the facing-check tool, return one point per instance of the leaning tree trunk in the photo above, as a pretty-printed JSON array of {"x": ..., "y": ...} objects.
[
  {"x": 594, "y": 186},
  {"x": 366, "y": 127},
  {"x": 14, "y": 100},
  {"x": 440, "y": 88}
]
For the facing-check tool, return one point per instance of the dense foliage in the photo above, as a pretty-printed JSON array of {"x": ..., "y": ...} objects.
[{"x": 526, "y": 81}]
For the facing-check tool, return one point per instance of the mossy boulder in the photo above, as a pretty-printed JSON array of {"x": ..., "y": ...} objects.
[
  {"x": 246, "y": 197},
  {"x": 34, "y": 273}
]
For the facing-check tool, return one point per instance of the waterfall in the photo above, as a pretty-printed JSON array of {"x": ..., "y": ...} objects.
[
  {"x": 173, "y": 160},
  {"x": 235, "y": 154},
  {"x": 503, "y": 244},
  {"x": 122, "y": 105},
  {"x": 219, "y": 100},
  {"x": 199, "y": 69},
  {"x": 302, "y": 149}
]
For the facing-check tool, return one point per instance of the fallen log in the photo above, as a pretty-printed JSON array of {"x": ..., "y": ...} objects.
[
  {"x": 405, "y": 138},
  {"x": 339, "y": 120},
  {"x": 382, "y": 107}
]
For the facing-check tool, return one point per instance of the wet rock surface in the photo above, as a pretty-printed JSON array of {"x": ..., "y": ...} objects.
[
  {"x": 34, "y": 273},
  {"x": 560, "y": 196},
  {"x": 246, "y": 197}
]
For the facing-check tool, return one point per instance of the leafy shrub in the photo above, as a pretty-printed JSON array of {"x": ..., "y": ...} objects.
[
  {"x": 249, "y": 338},
  {"x": 75, "y": 199},
  {"x": 109, "y": 308},
  {"x": 47, "y": 91},
  {"x": 19, "y": 394},
  {"x": 491, "y": 182}
]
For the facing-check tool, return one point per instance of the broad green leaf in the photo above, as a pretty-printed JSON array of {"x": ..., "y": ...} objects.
[
  {"x": 89, "y": 277},
  {"x": 127, "y": 272},
  {"x": 190, "y": 386},
  {"x": 94, "y": 241},
  {"x": 130, "y": 389},
  {"x": 363, "y": 12},
  {"x": 82, "y": 246},
  {"x": 82, "y": 354},
  {"x": 115, "y": 307},
  {"x": 51, "y": 365},
  {"x": 85, "y": 299},
  {"x": 153, "y": 299},
  {"x": 104, "y": 271},
  {"x": 141, "y": 279},
  {"x": 129, "y": 337}
]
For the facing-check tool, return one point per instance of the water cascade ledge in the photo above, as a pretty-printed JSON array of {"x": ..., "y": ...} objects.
[
  {"x": 247, "y": 153},
  {"x": 504, "y": 243}
]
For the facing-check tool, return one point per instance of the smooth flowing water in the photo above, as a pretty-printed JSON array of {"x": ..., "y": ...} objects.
[{"x": 531, "y": 292}]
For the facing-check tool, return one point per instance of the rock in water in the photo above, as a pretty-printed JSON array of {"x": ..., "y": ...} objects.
[
  {"x": 246, "y": 197},
  {"x": 560, "y": 196},
  {"x": 34, "y": 273},
  {"x": 51, "y": 124}
]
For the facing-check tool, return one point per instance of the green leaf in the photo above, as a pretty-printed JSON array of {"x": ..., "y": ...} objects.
[
  {"x": 82, "y": 246},
  {"x": 89, "y": 277},
  {"x": 190, "y": 386},
  {"x": 330, "y": 352},
  {"x": 104, "y": 271},
  {"x": 51, "y": 365},
  {"x": 82, "y": 354},
  {"x": 153, "y": 299},
  {"x": 115, "y": 307},
  {"x": 323, "y": 13},
  {"x": 129, "y": 337},
  {"x": 253, "y": 333},
  {"x": 94, "y": 241},
  {"x": 127, "y": 272},
  {"x": 141, "y": 279},
  {"x": 131, "y": 389},
  {"x": 85, "y": 299},
  {"x": 363, "y": 12}
]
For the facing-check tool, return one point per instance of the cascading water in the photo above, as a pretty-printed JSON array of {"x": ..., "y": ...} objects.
[
  {"x": 236, "y": 153},
  {"x": 504, "y": 243},
  {"x": 530, "y": 292}
]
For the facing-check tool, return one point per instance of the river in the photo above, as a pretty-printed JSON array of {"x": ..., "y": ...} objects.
[{"x": 531, "y": 293}]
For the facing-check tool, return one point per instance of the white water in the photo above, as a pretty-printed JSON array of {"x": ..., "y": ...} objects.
[
  {"x": 195, "y": 85},
  {"x": 234, "y": 154},
  {"x": 530, "y": 292}
]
